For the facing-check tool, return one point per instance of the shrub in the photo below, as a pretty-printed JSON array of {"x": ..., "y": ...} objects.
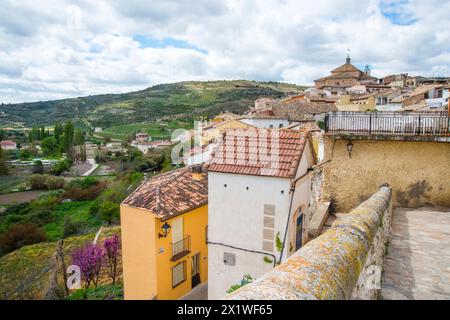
[
  {"x": 78, "y": 193},
  {"x": 88, "y": 182},
  {"x": 245, "y": 280},
  {"x": 38, "y": 167},
  {"x": 71, "y": 227},
  {"x": 109, "y": 211},
  {"x": 20, "y": 235},
  {"x": 37, "y": 182},
  {"x": 94, "y": 208},
  {"x": 54, "y": 183},
  {"x": 17, "y": 209},
  {"x": 45, "y": 182},
  {"x": 40, "y": 217},
  {"x": 61, "y": 166}
]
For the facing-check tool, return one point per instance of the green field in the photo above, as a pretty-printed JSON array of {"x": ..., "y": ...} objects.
[{"x": 157, "y": 130}]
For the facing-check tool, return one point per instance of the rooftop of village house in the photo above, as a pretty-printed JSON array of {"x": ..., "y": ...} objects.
[
  {"x": 171, "y": 194},
  {"x": 346, "y": 71},
  {"x": 292, "y": 110},
  {"x": 261, "y": 152}
]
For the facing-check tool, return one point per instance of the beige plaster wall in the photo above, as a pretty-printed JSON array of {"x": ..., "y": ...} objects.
[{"x": 418, "y": 172}]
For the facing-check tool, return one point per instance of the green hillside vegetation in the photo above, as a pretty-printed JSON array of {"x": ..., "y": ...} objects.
[
  {"x": 183, "y": 99},
  {"x": 25, "y": 273},
  {"x": 157, "y": 130}
]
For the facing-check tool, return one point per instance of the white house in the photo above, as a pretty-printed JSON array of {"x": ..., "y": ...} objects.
[
  {"x": 259, "y": 188},
  {"x": 8, "y": 145},
  {"x": 439, "y": 96},
  {"x": 200, "y": 154},
  {"x": 267, "y": 123}
]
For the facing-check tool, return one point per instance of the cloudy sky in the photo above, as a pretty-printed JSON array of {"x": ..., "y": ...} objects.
[{"x": 59, "y": 48}]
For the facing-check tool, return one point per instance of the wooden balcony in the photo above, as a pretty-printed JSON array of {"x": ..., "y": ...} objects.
[{"x": 181, "y": 248}]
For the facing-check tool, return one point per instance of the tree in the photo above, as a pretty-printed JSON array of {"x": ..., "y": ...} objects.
[
  {"x": 43, "y": 132},
  {"x": 90, "y": 260},
  {"x": 78, "y": 138},
  {"x": 4, "y": 169},
  {"x": 50, "y": 146},
  {"x": 58, "y": 132},
  {"x": 109, "y": 211},
  {"x": 38, "y": 167},
  {"x": 68, "y": 137},
  {"x": 112, "y": 246},
  {"x": 24, "y": 154}
]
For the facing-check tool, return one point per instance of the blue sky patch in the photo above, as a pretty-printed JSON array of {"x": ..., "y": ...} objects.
[
  {"x": 396, "y": 12},
  {"x": 148, "y": 42}
]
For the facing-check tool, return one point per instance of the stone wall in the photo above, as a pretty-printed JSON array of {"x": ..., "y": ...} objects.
[
  {"x": 335, "y": 265},
  {"x": 418, "y": 172}
]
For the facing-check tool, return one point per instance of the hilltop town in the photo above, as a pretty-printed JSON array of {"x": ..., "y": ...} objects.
[{"x": 341, "y": 186}]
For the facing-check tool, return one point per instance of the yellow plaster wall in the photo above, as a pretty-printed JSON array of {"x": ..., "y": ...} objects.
[
  {"x": 138, "y": 253},
  {"x": 418, "y": 172},
  {"x": 345, "y": 104},
  {"x": 215, "y": 132},
  {"x": 194, "y": 224}
]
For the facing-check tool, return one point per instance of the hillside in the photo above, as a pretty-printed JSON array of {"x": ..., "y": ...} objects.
[
  {"x": 175, "y": 100},
  {"x": 25, "y": 273}
]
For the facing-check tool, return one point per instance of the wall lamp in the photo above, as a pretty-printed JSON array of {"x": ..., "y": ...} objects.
[
  {"x": 165, "y": 230},
  {"x": 349, "y": 148}
]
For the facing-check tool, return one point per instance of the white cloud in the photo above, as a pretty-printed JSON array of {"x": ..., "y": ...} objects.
[{"x": 54, "y": 49}]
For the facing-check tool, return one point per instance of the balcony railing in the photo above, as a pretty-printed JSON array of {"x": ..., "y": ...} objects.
[
  {"x": 388, "y": 123},
  {"x": 181, "y": 248}
]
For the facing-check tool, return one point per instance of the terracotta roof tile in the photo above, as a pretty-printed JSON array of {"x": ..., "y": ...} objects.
[
  {"x": 170, "y": 194},
  {"x": 262, "y": 152}
]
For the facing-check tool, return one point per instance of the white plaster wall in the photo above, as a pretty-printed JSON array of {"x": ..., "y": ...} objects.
[
  {"x": 199, "y": 158},
  {"x": 236, "y": 218},
  {"x": 266, "y": 123},
  {"x": 389, "y": 107}
]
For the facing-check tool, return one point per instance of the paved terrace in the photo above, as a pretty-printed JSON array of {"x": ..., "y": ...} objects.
[{"x": 417, "y": 265}]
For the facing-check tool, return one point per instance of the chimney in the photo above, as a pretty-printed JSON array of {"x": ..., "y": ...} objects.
[{"x": 197, "y": 172}]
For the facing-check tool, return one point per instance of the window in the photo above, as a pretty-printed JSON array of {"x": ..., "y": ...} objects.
[
  {"x": 280, "y": 125},
  {"x": 178, "y": 274},
  {"x": 271, "y": 126}
]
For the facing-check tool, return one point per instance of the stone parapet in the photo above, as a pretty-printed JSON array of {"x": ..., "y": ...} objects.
[{"x": 335, "y": 265}]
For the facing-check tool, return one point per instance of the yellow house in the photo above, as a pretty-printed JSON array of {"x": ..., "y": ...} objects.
[
  {"x": 357, "y": 102},
  {"x": 164, "y": 228},
  {"x": 224, "y": 117},
  {"x": 212, "y": 132}
]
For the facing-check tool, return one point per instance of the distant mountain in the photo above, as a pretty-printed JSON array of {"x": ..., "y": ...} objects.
[{"x": 182, "y": 99}]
